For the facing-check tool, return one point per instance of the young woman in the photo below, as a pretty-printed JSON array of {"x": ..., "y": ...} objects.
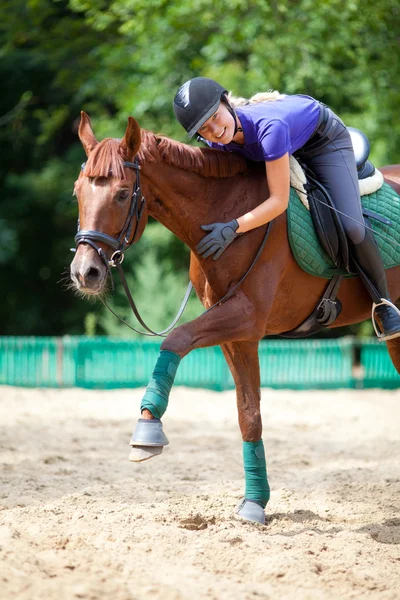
[{"x": 269, "y": 127}]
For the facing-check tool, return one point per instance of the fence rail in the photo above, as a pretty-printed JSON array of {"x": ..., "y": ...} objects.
[{"x": 104, "y": 362}]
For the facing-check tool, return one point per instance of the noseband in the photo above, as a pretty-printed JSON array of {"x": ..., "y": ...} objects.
[{"x": 121, "y": 243}]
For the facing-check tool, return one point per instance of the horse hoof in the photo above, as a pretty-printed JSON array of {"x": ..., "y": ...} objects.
[
  {"x": 148, "y": 440},
  {"x": 149, "y": 432},
  {"x": 249, "y": 510},
  {"x": 141, "y": 453}
]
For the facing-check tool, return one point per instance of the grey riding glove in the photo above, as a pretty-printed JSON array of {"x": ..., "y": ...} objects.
[{"x": 219, "y": 238}]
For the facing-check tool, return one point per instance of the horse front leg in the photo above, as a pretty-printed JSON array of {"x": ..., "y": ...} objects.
[
  {"x": 243, "y": 361},
  {"x": 235, "y": 320}
]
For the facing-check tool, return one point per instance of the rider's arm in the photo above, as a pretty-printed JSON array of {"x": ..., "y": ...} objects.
[{"x": 278, "y": 178}]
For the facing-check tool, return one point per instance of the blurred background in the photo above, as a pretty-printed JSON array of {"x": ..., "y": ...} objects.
[{"x": 127, "y": 57}]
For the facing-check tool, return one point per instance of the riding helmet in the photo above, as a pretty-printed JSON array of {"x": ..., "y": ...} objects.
[{"x": 195, "y": 102}]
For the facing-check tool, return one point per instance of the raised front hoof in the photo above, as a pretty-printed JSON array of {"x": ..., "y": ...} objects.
[
  {"x": 141, "y": 453},
  {"x": 149, "y": 432},
  {"x": 148, "y": 440},
  {"x": 248, "y": 510}
]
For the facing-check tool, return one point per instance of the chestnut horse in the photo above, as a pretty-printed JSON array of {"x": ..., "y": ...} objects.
[{"x": 186, "y": 187}]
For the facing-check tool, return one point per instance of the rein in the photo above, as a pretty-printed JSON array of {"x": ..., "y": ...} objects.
[{"x": 122, "y": 243}]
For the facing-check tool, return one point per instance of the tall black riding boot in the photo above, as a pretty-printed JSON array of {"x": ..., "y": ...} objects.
[{"x": 369, "y": 265}]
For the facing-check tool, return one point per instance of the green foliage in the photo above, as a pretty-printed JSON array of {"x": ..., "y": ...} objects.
[
  {"x": 90, "y": 324},
  {"x": 128, "y": 57}
]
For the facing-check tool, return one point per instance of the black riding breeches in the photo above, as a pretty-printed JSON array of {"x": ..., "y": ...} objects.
[{"x": 329, "y": 154}]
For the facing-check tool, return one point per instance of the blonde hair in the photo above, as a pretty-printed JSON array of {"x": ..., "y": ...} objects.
[{"x": 269, "y": 96}]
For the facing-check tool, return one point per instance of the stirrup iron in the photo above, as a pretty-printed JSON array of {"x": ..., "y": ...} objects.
[{"x": 380, "y": 334}]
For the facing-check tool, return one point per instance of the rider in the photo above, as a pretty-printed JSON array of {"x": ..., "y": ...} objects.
[{"x": 269, "y": 127}]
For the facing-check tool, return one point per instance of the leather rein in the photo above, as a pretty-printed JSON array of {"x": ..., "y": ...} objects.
[{"x": 119, "y": 246}]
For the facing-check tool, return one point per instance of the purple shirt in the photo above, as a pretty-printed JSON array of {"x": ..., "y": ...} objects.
[{"x": 271, "y": 129}]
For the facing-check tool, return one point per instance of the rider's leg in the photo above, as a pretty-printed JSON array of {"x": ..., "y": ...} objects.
[
  {"x": 369, "y": 264},
  {"x": 334, "y": 165}
]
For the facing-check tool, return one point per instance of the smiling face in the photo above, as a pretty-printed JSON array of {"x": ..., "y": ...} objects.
[{"x": 220, "y": 127}]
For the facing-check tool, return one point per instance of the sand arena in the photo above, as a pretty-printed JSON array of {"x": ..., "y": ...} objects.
[{"x": 78, "y": 520}]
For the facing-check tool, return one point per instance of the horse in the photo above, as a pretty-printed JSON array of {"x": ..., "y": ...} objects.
[{"x": 186, "y": 187}]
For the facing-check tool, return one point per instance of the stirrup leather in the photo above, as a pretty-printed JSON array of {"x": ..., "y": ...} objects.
[{"x": 380, "y": 334}]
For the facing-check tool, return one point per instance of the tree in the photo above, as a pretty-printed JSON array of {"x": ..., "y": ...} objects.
[{"x": 128, "y": 57}]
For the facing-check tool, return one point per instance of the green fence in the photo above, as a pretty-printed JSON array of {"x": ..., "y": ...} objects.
[{"x": 114, "y": 363}]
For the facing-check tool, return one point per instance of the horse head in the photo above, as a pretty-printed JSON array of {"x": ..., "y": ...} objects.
[{"x": 112, "y": 213}]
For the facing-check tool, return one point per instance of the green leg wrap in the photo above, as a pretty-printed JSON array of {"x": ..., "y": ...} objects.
[
  {"x": 255, "y": 469},
  {"x": 160, "y": 384}
]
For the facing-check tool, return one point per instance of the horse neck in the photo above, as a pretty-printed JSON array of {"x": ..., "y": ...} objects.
[
  {"x": 182, "y": 201},
  {"x": 187, "y": 187}
]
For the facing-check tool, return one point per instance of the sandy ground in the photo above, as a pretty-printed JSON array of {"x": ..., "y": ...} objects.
[{"x": 78, "y": 520}]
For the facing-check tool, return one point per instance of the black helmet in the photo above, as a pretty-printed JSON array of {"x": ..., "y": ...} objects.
[{"x": 195, "y": 102}]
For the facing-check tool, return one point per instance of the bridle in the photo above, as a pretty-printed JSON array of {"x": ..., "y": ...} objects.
[{"x": 122, "y": 243}]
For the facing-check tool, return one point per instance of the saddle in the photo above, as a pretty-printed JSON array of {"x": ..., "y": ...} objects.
[{"x": 331, "y": 235}]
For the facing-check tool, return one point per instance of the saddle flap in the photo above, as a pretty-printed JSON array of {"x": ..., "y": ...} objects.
[
  {"x": 327, "y": 225},
  {"x": 324, "y": 225}
]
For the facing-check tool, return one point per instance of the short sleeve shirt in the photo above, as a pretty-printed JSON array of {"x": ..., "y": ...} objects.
[{"x": 272, "y": 129}]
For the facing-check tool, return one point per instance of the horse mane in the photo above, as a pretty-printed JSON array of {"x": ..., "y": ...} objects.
[
  {"x": 106, "y": 158},
  {"x": 203, "y": 161}
]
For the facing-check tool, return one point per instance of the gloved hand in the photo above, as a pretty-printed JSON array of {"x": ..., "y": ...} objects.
[{"x": 219, "y": 238}]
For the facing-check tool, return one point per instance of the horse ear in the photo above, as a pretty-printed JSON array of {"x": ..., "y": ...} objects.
[
  {"x": 130, "y": 145},
  {"x": 86, "y": 134}
]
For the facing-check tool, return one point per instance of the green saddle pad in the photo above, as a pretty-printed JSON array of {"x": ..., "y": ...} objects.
[{"x": 308, "y": 251}]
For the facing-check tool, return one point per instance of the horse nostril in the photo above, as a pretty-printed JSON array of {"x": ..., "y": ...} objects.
[{"x": 93, "y": 274}]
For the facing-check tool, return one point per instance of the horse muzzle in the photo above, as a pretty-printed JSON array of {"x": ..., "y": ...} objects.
[{"x": 88, "y": 272}]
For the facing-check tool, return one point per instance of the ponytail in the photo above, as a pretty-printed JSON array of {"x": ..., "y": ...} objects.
[{"x": 270, "y": 96}]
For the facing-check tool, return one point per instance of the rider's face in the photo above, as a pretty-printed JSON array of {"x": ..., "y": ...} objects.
[{"x": 220, "y": 127}]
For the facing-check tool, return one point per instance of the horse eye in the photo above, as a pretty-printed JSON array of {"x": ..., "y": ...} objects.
[{"x": 123, "y": 195}]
